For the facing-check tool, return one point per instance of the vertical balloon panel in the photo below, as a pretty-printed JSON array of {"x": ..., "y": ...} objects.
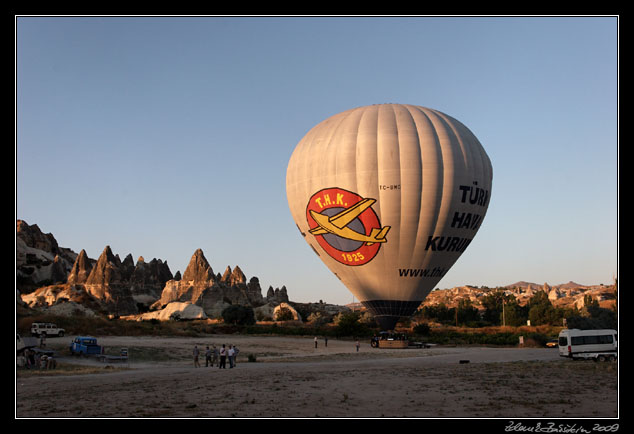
[{"x": 389, "y": 196}]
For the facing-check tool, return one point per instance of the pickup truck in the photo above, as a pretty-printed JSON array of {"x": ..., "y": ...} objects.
[{"x": 84, "y": 346}]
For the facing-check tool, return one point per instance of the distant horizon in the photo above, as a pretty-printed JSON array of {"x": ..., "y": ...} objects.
[{"x": 265, "y": 286}]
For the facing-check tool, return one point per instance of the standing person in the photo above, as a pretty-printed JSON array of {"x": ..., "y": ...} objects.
[
  {"x": 231, "y": 353},
  {"x": 208, "y": 357},
  {"x": 27, "y": 358},
  {"x": 357, "y": 344},
  {"x": 315, "y": 341},
  {"x": 216, "y": 353},
  {"x": 196, "y": 353},
  {"x": 235, "y": 355},
  {"x": 326, "y": 341},
  {"x": 223, "y": 357}
]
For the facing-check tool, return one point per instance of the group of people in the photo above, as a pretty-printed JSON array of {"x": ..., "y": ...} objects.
[
  {"x": 325, "y": 341},
  {"x": 217, "y": 356},
  {"x": 35, "y": 360}
]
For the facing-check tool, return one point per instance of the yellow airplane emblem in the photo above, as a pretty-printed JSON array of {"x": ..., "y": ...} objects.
[{"x": 338, "y": 223}]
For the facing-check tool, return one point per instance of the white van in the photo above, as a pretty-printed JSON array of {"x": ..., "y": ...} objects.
[{"x": 588, "y": 344}]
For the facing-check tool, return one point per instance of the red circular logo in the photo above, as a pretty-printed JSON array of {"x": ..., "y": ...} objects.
[{"x": 345, "y": 225}]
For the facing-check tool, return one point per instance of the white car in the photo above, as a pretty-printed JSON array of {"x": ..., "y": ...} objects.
[{"x": 47, "y": 329}]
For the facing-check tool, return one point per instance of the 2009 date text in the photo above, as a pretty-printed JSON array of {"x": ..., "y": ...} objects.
[{"x": 551, "y": 427}]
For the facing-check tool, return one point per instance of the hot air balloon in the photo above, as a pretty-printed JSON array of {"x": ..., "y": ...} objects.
[{"x": 389, "y": 196}]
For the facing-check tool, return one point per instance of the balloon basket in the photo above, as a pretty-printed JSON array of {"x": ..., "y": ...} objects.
[
  {"x": 393, "y": 344},
  {"x": 389, "y": 340}
]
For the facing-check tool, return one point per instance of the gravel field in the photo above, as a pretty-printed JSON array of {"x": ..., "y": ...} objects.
[{"x": 292, "y": 379}]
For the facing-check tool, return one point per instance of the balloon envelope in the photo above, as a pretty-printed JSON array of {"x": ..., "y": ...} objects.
[{"x": 389, "y": 196}]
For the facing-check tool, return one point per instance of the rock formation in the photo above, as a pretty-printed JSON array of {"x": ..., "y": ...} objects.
[
  {"x": 201, "y": 287},
  {"x": 198, "y": 270},
  {"x": 198, "y": 276},
  {"x": 33, "y": 237},
  {"x": 277, "y": 295},
  {"x": 39, "y": 260},
  {"x": 81, "y": 269},
  {"x": 58, "y": 270},
  {"x": 127, "y": 267},
  {"x": 237, "y": 277},
  {"x": 564, "y": 295},
  {"x": 147, "y": 280},
  {"x": 57, "y": 279},
  {"x": 175, "y": 311},
  {"x": 106, "y": 283}
]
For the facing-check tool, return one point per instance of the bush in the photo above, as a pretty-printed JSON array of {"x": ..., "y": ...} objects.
[
  {"x": 284, "y": 314},
  {"x": 318, "y": 319},
  {"x": 421, "y": 329},
  {"x": 451, "y": 337},
  {"x": 349, "y": 325},
  {"x": 238, "y": 315},
  {"x": 538, "y": 338},
  {"x": 260, "y": 316}
]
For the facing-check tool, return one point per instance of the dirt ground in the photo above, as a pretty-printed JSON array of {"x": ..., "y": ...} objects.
[{"x": 290, "y": 378}]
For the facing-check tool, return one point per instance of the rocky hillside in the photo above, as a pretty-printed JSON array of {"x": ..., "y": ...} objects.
[
  {"x": 60, "y": 280},
  {"x": 562, "y": 295},
  {"x": 39, "y": 260}
]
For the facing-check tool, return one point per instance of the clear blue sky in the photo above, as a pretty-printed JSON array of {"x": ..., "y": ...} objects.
[{"x": 161, "y": 135}]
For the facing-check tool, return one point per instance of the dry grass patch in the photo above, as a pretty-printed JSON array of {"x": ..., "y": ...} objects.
[{"x": 67, "y": 369}]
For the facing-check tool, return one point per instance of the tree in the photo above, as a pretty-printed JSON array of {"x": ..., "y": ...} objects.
[
  {"x": 541, "y": 310},
  {"x": 593, "y": 317},
  {"x": 466, "y": 312},
  {"x": 348, "y": 324},
  {"x": 514, "y": 314},
  {"x": 440, "y": 313},
  {"x": 238, "y": 315},
  {"x": 284, "y": 314},
  {"x": 495, "y": 305}
]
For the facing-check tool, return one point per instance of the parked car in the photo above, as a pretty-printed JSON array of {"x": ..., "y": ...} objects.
[
  {"x": 46, "y": 329},
  {"x": 553, "y": 343}
]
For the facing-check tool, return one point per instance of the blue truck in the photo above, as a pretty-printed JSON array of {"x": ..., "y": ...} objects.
[{"x": 85, "y": 346}]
